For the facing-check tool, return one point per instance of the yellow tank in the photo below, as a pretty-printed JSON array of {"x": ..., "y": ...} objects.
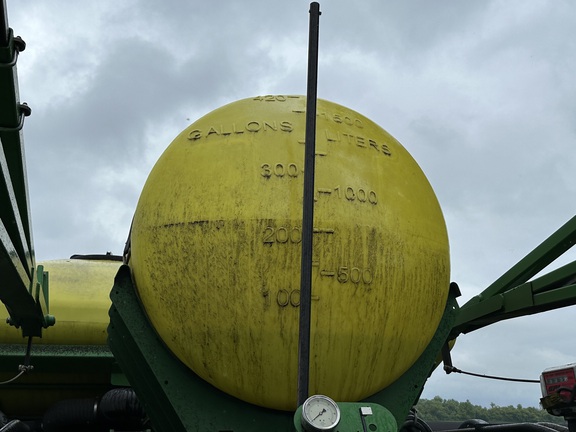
[
  {"x": 79, "y": 299},
  {"x": 216, "y": 246}
]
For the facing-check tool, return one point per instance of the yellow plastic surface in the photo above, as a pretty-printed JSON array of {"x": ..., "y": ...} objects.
[
  {"x": 216, "y": 247},
  {"x": 79, "y": 298}
]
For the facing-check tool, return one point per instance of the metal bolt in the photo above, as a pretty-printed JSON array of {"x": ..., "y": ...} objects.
[{"x": 49, "y": 320}]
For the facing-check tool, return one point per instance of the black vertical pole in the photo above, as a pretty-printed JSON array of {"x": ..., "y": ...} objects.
[
  {"x": 4, "y": 29},
  {"x": 308, "y": 207}
]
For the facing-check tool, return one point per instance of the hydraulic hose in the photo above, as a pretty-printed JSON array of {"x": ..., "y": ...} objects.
[{"x": 118, "y": 409}]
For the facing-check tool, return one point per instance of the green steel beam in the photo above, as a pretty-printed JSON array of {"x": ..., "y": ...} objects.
[
  {"x": 23, "y": 287},
  {"x": 15, "y": 283},
  {"x": 559, "y": 297},
  {"x": 12, "y": 114},
  {"x": 520, "y": 301},
  {"x": 550, "y": 249},
  {"x": 60, "y": 372},
  {"x": 49, "y": 358},
  {"x": 512, "y": 295},
  {"x": 556, "y": 278},
  {"x": 10, "y": 215}
]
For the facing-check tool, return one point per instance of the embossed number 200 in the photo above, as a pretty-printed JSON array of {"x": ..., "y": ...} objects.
[{"x": 282, "y": 235}]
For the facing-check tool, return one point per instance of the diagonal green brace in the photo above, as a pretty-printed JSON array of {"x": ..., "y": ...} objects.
[
  {"x": 513, "y": 295},
  {"x": 545, "y": 253}
]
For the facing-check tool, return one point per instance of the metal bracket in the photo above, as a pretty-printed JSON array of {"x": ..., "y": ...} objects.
[
  {"x": 24, "y": 111},
  {"x": 19, "y": 45}
]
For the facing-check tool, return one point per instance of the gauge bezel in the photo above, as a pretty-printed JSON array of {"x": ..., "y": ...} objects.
[{"x": 307, "y": 423}]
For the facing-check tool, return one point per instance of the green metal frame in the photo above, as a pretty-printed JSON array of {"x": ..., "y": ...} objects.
[
  {"x": 513, "y": 295},
  {"x": 59, "y": 372},
  {"x": 24, "y": 288},
  {"x": 176, "y": 399}
]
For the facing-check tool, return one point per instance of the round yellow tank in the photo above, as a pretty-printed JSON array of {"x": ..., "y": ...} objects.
[
  {"x": 79, "y": 298},
  {"x": 216, "y": 245}
]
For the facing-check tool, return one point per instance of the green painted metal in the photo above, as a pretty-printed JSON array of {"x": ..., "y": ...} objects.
[
  {"x": 10, "y": 130},
  {"x": 26, "y": 300},
  {"x": 10, "y": 214},
  {"x": 12, "y": 113},
  {"x": 178, "y": 400},
  {"x": 556, "y": 278},
  {"x": 381, "y": 420},
  {"x": 513, "y": 295},
  {"x": 550, "y": 249},
  {"x": 24, "y": 288},
  {"x": 58, "y": 372},
  {"x": 50, "y": 358}
]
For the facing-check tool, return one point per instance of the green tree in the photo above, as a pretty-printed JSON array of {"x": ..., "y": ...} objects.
[{"x": 438, "y": 409}]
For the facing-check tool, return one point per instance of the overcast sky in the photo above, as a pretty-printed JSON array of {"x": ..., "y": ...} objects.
[{"x": 481, "y": 93}]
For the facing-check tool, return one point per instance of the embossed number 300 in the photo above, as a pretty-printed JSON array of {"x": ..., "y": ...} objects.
[{"x": 279, "y": 170}]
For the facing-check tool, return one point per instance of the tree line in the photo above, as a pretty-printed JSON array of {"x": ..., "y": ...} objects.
[{"x": 438, "y": 409}]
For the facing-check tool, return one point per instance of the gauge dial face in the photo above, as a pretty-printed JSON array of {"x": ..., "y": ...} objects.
[{"x": 320, "y": 413}]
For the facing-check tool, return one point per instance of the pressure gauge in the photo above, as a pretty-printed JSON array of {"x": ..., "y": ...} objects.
[{"x": 320, "y": 414}]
